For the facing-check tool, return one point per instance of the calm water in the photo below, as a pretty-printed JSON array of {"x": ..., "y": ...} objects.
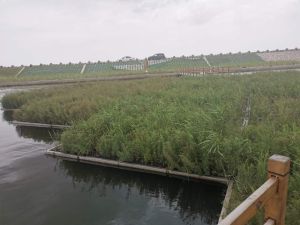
[{"x": 40, "y": 190}]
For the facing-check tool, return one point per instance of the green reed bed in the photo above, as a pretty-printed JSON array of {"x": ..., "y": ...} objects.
[
  {"x": 186, "y": 124},
  {"x": 63, "y": 105}
]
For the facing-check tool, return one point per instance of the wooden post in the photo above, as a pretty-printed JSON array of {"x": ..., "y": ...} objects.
[
  {"x": 275, "y": 208},
  {"x": 272, "y": 195},
  {"x": 248, "y": 208}
]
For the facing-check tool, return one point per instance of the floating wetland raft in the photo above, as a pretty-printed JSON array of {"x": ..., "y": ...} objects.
[
  {"x": 186, "y": 124},
  {"x": 56, "y": 152}
]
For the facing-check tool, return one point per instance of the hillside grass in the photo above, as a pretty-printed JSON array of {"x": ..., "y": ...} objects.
[
  {"x": 175, "y": 64},
  {"x": 63, "y": 76},
  {"x": 187, "y": 124},
  {"x": 94, "y": 70}
]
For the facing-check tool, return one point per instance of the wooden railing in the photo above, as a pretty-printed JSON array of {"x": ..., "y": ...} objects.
[{"x": 271, "y": 196}]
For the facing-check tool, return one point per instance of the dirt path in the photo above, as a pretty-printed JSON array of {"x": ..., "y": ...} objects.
[{"x": 85, "y": 80}]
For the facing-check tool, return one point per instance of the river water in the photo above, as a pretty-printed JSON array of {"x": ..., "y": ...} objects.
[{"x": 36, "y": 189}]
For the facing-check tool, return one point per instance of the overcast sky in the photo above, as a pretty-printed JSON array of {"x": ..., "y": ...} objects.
[{"x": 44, "y": 31}]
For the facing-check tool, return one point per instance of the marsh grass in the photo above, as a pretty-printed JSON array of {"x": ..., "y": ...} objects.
[{"x": 186, "y": 124}]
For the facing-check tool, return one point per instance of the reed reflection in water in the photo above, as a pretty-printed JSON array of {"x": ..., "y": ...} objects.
[{"x": 192, "y": 201}]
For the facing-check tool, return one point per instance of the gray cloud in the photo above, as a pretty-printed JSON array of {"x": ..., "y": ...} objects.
[{"x": 35, "y": 31}]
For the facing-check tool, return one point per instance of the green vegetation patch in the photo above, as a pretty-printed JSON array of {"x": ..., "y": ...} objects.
[
  {"x": 187, "y": 124},
  {"x": 175, "y": 64},
  {"x": 8, "y": 71},
  {"x": 235, "y": 60},
  {"x": 63, "y": 105}
]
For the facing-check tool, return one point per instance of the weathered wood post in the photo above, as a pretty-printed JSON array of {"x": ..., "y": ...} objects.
[
  {"x": 275, "y": 208},
  {"x": 271, "y": 196}
]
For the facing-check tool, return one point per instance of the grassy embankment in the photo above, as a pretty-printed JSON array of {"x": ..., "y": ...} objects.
[
  {"x": 96, "y": 70},
  {"x": 65, "y": 76},
  {"x": 188, "y": 124}
]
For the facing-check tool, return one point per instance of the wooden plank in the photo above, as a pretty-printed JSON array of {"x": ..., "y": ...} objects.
[
  {"x": 278, "y": 166},
  {"x": 245, "y": 211},
  {"x": 40, "y": 125},
  {"x": 226, "y": 201},
  {"x": 134, "y": 167}
]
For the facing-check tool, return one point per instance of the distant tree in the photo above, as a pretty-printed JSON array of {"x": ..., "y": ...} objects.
[
  {"x": 230, "y": 53},
  {"x": 296, "y": 48},
  {"x": 257, "y": 51},
  {"x": 249, "y": 52},
  {"x": 30, "y": 65},
  {"x": 267, "y": 50},
  {"x": 99, "y": 61},
  {"x": 286, "y": 49}
]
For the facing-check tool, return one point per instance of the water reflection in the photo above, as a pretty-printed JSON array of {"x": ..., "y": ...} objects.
[
  {"x": 7, "y": 115},
  {"x": 38, "y": 134},
  {"x": 193, "y": 201}
]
